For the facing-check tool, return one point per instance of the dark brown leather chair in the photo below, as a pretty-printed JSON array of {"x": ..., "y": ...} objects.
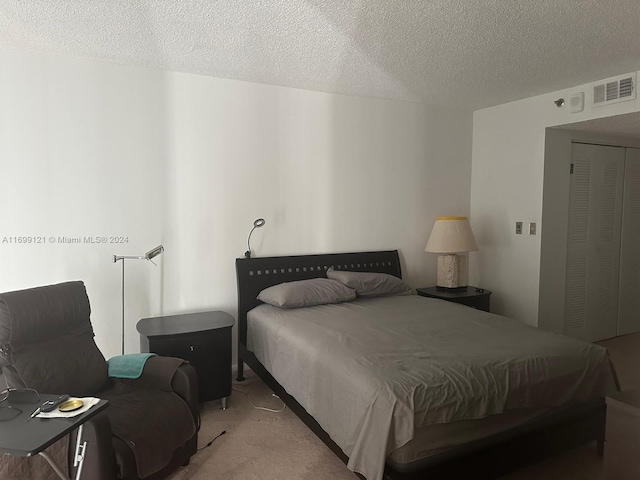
[{"x": 150, "y": 425}]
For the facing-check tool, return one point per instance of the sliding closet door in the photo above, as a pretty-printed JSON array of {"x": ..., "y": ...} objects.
[
  {"x": 593, "y": 250},
  {"x": 629, "y": 298}
]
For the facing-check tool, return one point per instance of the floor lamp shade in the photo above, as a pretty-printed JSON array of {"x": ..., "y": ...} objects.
[{"x": 450, "y": 236}]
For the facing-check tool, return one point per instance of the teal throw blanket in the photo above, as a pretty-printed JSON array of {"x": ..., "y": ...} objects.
[{"x": 128, "y": 366}]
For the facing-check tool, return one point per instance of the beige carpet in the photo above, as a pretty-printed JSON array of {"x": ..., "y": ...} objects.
[
  {"x": 259, "y": 444},
  {"x": 265, "y": 445}
]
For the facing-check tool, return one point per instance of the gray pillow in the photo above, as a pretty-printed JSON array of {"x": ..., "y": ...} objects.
[
  {"x": 371, "y": 284},
  {"x": 306, "y": 293}
]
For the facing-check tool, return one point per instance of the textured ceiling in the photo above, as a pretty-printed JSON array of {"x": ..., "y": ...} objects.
[{"x": 463, "y": 53}]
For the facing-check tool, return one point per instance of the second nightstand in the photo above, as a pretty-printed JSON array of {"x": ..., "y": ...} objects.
[{"x": 470, "y": 296}]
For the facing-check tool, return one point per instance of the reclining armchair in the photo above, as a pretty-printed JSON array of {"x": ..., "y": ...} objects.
[{"x": 149, "y": 427}]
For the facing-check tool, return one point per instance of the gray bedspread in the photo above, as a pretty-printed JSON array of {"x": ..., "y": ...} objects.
[{"x": 372, "y": 370}]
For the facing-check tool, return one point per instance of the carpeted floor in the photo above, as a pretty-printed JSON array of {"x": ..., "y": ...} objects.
[
  {"x": 259, "y": 444},
  {"x": 266, "y": 445}
]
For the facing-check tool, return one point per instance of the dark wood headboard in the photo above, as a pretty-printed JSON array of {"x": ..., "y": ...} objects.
[{"x": 256, "y": 274}]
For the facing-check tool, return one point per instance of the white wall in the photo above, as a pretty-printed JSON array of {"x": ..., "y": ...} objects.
[
  {"x": 507, "y": 186},
  {"x": 78, "y": 141},
  {"x": 90, "y": 148},
  {"x": 328, "y": 173}
]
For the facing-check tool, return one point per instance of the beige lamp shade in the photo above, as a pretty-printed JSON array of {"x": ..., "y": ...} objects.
[{"x": 451, "y": 235}]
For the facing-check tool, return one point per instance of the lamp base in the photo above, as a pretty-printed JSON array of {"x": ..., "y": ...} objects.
[{"x": 452, "y": 271}]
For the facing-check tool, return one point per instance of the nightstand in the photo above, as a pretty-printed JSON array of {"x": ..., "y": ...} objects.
[
  {"x": 203, "y": 339},
  {"x": 470, "y": 296}
]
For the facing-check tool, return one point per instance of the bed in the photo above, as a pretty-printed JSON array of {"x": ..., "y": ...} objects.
[{"x": 446, "y": 445}]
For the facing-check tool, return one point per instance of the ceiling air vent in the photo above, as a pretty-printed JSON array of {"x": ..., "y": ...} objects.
[{"x": 614, "y": 90}]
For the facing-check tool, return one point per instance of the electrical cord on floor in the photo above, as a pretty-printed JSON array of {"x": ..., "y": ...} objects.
[
  {"x": 211, "y": 442},
  {"x": 257, "y": 407}
]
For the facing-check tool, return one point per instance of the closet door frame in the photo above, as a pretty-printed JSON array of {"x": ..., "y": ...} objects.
[{"x": 553, "y": 227}]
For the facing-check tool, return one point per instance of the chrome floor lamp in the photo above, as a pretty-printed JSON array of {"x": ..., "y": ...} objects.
[{"x": 154, "y": 252}]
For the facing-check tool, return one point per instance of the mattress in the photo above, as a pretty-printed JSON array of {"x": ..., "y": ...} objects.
[
  {"x": 376, "y": 373},
  {"x": 437, "y": 439}
]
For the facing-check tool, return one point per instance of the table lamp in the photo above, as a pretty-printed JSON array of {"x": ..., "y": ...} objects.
[{"x": 450, "y": 236}]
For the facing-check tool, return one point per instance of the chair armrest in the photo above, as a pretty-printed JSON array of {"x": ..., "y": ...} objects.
[
  {"x": 172, "y": 375},
  {"x": 185, "y": 385},
  {"x": 157, "y": 374}
]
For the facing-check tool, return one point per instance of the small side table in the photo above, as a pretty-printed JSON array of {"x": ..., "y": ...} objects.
[
  {"x": 203, "y": 339},
  {"x": 471, "y": 296},
  {"x": 25, "y": 436},
  {"x": 621, "y": 460}
]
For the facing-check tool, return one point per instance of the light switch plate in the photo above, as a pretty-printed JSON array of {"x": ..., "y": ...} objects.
[
  {"x": 532, "y": 228},
  {"x": 518, "y": 228}
]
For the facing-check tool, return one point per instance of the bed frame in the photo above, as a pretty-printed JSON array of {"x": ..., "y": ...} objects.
[{"x": 488, "y": 458}]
